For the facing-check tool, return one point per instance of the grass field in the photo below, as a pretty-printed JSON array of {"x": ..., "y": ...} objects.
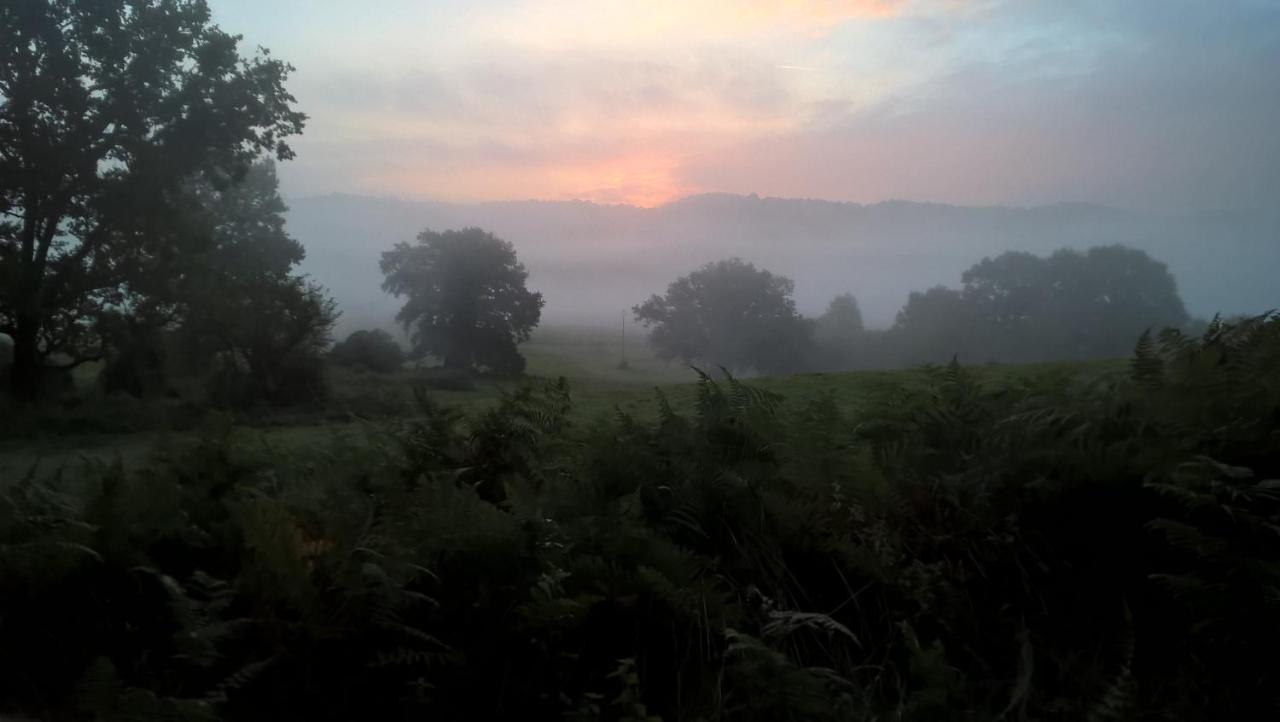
[{"x": 589, "y": 358}]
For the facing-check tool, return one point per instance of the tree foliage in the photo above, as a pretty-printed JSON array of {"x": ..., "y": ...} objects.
[
  {"x": 272, "y": 339},
  {"x": 842, "y": 320},
  {"x": 107, "y": 109},
  {"x": 262, "y": 325},
  {"x": 1072, "y": 304},
  {"x": 728, "y": 313},
  {"x": 839, "y": 332},
  {"x": 374, "y": 350},
  {"x": 1019, "y": 307},
  {"x": 467, "y": 302}
]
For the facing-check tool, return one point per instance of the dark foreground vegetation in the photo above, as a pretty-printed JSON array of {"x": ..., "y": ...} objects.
[
  {"x": 1056, "y": 550},
  {"x": 1051, "y": 547}
]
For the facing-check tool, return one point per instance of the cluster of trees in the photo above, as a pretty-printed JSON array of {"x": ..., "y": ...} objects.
[
  {"x": 1039, "y": 548},
  {"x": 1016, "y": 307},
  {"x": 134, "y": 204},
  {"x": 1022, "y": 307},
  {"x": 141, "y": 224}
]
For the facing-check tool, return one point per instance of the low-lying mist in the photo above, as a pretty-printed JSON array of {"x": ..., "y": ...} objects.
[{"x": 594, "y": 262}]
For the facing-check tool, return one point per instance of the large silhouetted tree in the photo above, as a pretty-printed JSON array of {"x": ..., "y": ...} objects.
[
  {"x": 466, "y": 298},
  {"x": 729, "y": 313},
  {"x": 108, "y": 109}
]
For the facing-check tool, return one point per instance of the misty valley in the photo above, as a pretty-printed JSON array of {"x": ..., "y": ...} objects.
[{"x": 355, "y": 405}]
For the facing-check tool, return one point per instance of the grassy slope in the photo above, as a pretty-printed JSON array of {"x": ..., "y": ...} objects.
[{"x": 587, "y": 357}]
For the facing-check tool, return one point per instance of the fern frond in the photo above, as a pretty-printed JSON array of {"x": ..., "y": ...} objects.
[{"x": 784, "y": 623}]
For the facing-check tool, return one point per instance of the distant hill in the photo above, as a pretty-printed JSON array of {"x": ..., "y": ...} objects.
[{"x": 594, "y": 261}]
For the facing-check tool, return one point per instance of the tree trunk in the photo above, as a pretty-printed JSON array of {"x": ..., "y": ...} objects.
[{"x": 25, "y": 374}]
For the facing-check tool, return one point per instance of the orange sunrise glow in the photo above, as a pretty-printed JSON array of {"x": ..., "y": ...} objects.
[{"x": 962, "y": 101}]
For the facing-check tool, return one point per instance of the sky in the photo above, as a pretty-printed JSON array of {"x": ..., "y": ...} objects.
[{"x": 1143, "y": 104}]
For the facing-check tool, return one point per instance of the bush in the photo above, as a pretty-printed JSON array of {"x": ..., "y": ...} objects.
[
  {"x": 293, "y": 381},
  {"x": 440, "y": 378},
  {"x": 374, "y": 350}
]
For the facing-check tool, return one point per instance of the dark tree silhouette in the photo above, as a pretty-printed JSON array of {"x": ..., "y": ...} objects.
[
  {"x": 374, "y": 350},
  {"x": 934, "y": 325},
  {"x": 273, "y": 332},
  {"x": 107, "y": 109},
  {"x": 838, "y": 332},
  {"x": 1072, "y": 304},
  {"x": 245, "y": 221},
  {"x": 467, "y": 300},
  {"x": 1021, "y": 307},
  {"x": 241, "y": 300},
  {"x": 729, "y": 313}
]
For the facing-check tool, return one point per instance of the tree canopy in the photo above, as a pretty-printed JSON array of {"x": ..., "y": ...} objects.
[
  {"x": 1022, "y": 307},
  {"x": 243, "y": 302},
  {"x": 108, "y": 109},
  {"x": 467, "y": 302},
  {"x": 374, "y": 350},
  {"x": 728, "y": 313},
  {"x": 838, "y": 332}
]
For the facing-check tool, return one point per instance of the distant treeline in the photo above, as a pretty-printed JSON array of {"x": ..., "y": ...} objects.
[{"x": 1016, "y": 307}]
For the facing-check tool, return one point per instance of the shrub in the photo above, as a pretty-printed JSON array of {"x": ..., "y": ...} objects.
[
  {"x": 440, "y": 378},
  {"x": 374, "y": 350},
  {"x": 298, "y": 379}
]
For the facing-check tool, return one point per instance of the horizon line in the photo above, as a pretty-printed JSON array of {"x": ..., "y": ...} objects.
[{"x": 762, "y": 198}]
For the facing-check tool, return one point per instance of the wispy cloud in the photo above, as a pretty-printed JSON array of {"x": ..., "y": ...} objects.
[
  {"x": 597, "y": 126},
  {"x": 617, "y": 101},
  {"x": 624, "y": 23}
]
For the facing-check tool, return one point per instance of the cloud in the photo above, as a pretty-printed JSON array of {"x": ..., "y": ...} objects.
[
  {"x": 600, "y": 100},
  {"x": 623, "y": 23},
  {"x": 974, "y": 102},
  {"x": 596, "y": 126},
  {"x": 1109, "y": 105}
]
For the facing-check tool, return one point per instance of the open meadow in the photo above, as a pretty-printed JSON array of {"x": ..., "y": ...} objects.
[{"x": 97, "y": 429}]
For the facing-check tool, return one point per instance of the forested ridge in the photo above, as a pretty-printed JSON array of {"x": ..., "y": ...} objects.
[{"x": 1060, "y": 549}]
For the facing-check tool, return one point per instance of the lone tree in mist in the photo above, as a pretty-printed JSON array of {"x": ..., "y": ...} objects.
[
  {"x": 728, "y": 313},
  {"x": 107, "y": 108},
  {"x": 841, "y": 323},
  {"x": 838, "y": 331},
  {"x": 467, "y": 300}
]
